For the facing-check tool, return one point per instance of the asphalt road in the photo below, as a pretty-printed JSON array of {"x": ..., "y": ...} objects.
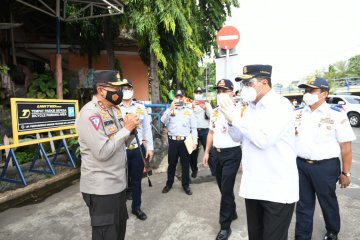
[
  {"x": 354, "y": 189},
  {"x": 171, "y": 216}
]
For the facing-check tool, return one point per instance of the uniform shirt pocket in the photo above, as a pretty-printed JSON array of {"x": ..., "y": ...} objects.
[
  {"x": 325, "y": 132},
  {"x": 186, "y": 123}
]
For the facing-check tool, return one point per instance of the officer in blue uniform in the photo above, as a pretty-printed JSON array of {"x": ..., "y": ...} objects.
[
  {"x": 135, "y": 160},
  {"x": 227, "y": 157},
  {"x": 180, "y": 122},
  {"x": 202, "y": 110},
  {"x": 323, "y": 136}
]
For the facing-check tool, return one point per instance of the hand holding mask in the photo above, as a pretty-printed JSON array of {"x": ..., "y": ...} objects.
[{"x": 227, "y": 107}]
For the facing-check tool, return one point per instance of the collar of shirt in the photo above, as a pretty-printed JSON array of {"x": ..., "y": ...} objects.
[
  {"x": 131, "y": 104},
  {"x": 94, "y": 99},
  {"x": 265, "y": 101},
  {"x": 98, "y": 103},
  {"x": 322, "y": 108}
]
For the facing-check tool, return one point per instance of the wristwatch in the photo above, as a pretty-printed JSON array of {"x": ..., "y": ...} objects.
[{"x": 346, "y": 174}]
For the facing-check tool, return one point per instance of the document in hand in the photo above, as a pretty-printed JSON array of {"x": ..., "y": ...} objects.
[{"x": 189, "y": 143}]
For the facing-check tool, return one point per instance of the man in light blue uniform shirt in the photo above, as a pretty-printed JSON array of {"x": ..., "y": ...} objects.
[
  {"x": 180, "y": 122},
  {"x": 202, "y": 111},
  {"x": 135, "y": 160}
]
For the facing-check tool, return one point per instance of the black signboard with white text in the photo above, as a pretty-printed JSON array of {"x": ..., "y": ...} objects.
[{"x": 45, "y": 115}]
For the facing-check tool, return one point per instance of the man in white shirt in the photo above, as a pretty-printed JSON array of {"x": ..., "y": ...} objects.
[
  {"x": 323, "y": 134},
  {"x": 270, "y": 182},
  {"x": 227, "y": 157}
]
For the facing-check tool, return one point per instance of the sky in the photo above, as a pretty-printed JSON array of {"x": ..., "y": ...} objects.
[{"x": 296, "y": 37}]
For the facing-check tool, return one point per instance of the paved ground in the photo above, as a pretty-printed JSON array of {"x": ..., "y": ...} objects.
[{"x": 171, "y": 216}]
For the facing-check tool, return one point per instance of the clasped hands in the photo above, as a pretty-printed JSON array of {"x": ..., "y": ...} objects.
[{"x": 131, "y": 121}]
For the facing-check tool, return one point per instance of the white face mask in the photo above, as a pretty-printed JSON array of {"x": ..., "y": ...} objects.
[
  {"x": 218, "y": 97},
  {"x": 128, "y": 94},
  {"x": 248, "y": 94},
  {"x": 310, "y": 99},
  {"x": 198, "y": 97}
]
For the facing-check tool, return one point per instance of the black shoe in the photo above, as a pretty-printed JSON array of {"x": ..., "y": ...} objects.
[
  {"x": 224, "y": 234},
  {"x": 140, "y": 214},
  {"x": 129, "y": 196},
  {"x": 194, "y": 174},
  {"x": 235, "y": 216},
  {"x": 188, "y": 190},
  {"x": 166, "y": 189},
  {"x": 330, "y": 236}
]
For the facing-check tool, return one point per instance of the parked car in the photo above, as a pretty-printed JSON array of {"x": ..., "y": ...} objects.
[{"x": 350, "y": 103}]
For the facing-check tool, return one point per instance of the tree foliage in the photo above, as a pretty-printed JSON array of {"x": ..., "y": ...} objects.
[
  {"x": 87, "y": 33},
  {"x": 179, "y": 33}
]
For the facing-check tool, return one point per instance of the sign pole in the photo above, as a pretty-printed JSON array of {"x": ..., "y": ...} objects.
[
  {"x": 206, "y": 81},
  {"x": 227, "y": 63}
]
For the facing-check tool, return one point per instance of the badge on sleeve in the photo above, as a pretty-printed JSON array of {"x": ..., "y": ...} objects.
[{"x": 95, "y": 121}]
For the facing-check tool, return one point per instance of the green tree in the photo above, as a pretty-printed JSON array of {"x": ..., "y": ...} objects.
[
  {"x": 173, "y": 36},
  {"x": 86, "y": 34},
  {"x": 354, "y": 66}
]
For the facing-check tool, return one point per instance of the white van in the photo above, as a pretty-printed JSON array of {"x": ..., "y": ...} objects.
[{"x": 350, "y": 103}]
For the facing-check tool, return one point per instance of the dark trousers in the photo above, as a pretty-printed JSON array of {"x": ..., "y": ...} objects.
[
  {"x": 202, "y": 135},
  {"x": 268, "y": 220},
  {"x": 178, "y": 149},
  {"x": 227, "y": 165},
  {"x": 136, "y": 169},
  {"x": 108, "y": 214},
  {"x": 317, "y": 180}
]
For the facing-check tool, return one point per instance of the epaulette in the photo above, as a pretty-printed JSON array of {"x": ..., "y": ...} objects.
[
  {"x": 336, "y": 108},
  {"x": 298, "y": 108}
]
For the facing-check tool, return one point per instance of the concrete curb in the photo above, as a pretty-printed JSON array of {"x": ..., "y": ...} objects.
[{"x": 38, "y": 191}]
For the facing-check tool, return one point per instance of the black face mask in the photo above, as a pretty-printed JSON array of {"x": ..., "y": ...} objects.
[{"x": 115, "y": 97}]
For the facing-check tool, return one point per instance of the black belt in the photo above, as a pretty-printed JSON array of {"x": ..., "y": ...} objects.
[
  {"x": 201, "y": 129},
  {"x": 224, "y": 150},
  {"x": 309, "y": 161}
]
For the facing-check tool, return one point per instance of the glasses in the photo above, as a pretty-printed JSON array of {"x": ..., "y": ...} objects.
[
  {"x": 248, "y": 83},
  {"x": 219, "y": 90},
  {"x": 126, "y": 88},
  {"x": 110, "y": 88}
]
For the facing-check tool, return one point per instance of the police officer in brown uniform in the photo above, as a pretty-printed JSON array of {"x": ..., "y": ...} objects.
[{"x": 103, "y": 136}]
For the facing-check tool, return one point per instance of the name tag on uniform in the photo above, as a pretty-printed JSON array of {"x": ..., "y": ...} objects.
[
  {"x": 327, "y": 120},
  {"x": 109, "y": 122}
]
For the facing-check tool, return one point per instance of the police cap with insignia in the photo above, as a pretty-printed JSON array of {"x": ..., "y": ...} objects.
[
  {"x": 253, "y": 71},
  {"x": 318, "y": 82},
  {"x": 109, "y": 77},
  {"x": 198, "y": 90},
  {"x": 225, "y": 84},
  {"x": 179, "y": 93},
  {"x": 126, "y": 82}
]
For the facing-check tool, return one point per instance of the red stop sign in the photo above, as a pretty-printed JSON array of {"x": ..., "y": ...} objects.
[{"x": 227, "y": 37}]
